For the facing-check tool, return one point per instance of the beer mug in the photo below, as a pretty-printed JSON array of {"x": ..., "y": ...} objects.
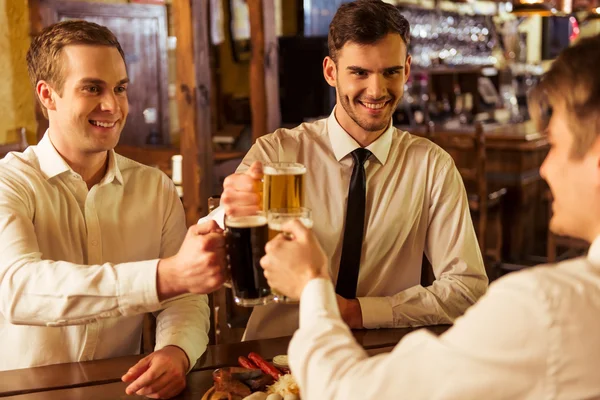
[
  {"x": 245, "y": 239},
  {"x": 277, "y": 218},
  {"x": 283, "y": 185}
]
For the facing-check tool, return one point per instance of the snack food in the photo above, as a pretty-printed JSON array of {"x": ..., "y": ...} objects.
[
  {"x": 285, "y": 385},
  {"x": 265, "y": 366},
  {"x": 256, "y": 379}
]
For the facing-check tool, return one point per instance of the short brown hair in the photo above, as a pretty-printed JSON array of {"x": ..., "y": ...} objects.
[
  {"x": 43, "y": 56},
  {"x": 365, "y": 22},
  {"x": 572, "y": 81}
]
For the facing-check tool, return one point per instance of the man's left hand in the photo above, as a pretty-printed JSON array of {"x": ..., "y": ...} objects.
[
  {"x": 351, "y": 312},
  {"x": 161, "y": 375}
]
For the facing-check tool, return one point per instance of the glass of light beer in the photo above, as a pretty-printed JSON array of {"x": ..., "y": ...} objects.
[
  {"x": 283, "y": 185},
  {"x": 245, "y": 238},
  {"x": 277, "y": 218}
]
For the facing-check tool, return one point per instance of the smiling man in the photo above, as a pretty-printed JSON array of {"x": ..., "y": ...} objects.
[
  {"x": 381, "y": 198},
  {"x": 90, "y": 240}
]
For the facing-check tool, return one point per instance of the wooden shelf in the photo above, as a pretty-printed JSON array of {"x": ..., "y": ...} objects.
[{"x": 445, "y": 69}]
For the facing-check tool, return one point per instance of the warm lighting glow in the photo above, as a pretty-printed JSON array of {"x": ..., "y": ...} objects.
[
  {"x": 526, "y": 8},
  {"x": 597, "y": 10}
]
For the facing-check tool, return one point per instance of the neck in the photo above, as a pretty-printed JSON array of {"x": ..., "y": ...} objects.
[
  {"x": 362, "y": 137},
  {"x": 90, "y": 166}
]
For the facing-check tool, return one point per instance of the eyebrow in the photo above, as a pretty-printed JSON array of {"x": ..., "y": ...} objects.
[
  {"x": 355, "y": 68},
  {"x": 96, "y": 81}
]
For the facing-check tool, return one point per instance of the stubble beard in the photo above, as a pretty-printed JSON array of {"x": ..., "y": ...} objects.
[{"x": 375, "y": 126}]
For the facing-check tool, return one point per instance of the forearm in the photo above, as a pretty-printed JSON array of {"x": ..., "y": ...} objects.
[
  {"x": 441, "y": 303},
  {"x": 328, "y": 363},
  {"x": 184, "y": 322},
  {"x": 57, "y": 293}
]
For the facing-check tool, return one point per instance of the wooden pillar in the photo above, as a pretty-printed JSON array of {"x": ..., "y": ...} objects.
[
  {"x": 202, "y": 54},
  {"x": 258, "y": 95},
  {"x": 191, "y": 21},
  {"x": 271, "y": 66},
  {"x": 264, "y": 81}
]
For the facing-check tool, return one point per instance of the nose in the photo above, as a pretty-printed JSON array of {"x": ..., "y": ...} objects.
[
  {"x": 377, "y": 89},
  {"x": 109, "y": 102}
]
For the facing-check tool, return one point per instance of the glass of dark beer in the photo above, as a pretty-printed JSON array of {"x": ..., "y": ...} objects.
[{"x": 246, "y": 237}]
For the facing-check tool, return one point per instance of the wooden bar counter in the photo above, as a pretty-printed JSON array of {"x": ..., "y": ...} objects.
[
  {"x": 514, "y": 154},
  {"x": 101, "y": 379}
]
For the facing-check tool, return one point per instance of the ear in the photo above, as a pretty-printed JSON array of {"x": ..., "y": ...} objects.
[
  {"x": 330, "y": 71},
  {"x": 407, "y": 68},
  {"x": 46, "y": 94}
]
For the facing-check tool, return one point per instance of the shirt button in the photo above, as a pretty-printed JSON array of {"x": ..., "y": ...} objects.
[{"x": 94, "y": 243}]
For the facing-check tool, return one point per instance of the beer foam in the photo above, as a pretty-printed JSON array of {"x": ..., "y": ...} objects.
[
  {"x": 278, "y": 225},
  {"x": 251, "y": 221},
  {"x": 292, "y": 169}
]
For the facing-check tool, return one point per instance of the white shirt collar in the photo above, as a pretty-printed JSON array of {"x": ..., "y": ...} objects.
[
  {"x": 344, "y": 144},
  {"x": 594, "y": 252},
  {"x": 52, "y": 164}
]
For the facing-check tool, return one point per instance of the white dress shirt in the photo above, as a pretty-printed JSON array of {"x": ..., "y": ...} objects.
[
  {"x": 534, "y": 335},
  {"x": 416, "y": 203},
  {"x": 78, "y": 266}
]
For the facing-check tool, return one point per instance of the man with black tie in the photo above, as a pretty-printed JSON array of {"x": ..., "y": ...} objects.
[{"x": 381, "y": 198}]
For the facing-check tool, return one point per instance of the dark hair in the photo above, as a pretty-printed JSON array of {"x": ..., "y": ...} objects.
[
  {"x": 572, "y": 81},
  {"x": 365, "y": 22},
  {"x": 44, "y": 54}
]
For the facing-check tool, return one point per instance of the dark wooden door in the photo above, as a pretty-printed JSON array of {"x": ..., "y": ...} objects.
[{"x": 142, "y": 32}]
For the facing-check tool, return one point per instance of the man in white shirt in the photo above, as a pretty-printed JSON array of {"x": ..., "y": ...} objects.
[
  {"x": 90, "y": 240},
  {"x": 534, "y": 335},
  {"x": 415, "y": 201}
]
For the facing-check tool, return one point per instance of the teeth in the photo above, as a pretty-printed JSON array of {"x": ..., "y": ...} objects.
[
  {"x": 103, "y": 124},
  {"x": 374, "y": 106}
]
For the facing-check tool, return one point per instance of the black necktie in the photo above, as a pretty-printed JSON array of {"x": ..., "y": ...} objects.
[{"x": 355, "y": 225}]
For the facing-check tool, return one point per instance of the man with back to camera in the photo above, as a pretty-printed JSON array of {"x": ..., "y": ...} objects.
[
  {"x": 534, "y": 335},
  {"x": 415, "y": 198},
  {"x": 90, "y": 240}
]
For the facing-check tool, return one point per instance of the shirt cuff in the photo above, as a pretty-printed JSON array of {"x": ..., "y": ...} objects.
[
  {"x": 317, "y": 301},
  {"x": 192, "y": 350},
  {"x": 376, "y": 312},
  {"x": 137, "y": 287},
  {"x": 217, "y": 215}
]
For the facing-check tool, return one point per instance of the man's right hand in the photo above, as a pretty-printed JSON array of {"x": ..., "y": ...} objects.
[
  {"x": 291, "y": 262},
  {"x": 198, "y": 267},
  {"x": 240, "y": 195}
]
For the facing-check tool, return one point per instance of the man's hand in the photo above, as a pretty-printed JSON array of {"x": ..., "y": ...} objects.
[
  {"x": 351, "y": 312},
  {"x": 290, "y": 264},
  {"x": 198, "y": 267},
  {"x": 161, "y": 375},
  {"x": 241, "y": 192}
]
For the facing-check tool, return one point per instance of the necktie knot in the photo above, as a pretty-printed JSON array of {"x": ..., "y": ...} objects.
[{"x": 360, "y": 155}]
